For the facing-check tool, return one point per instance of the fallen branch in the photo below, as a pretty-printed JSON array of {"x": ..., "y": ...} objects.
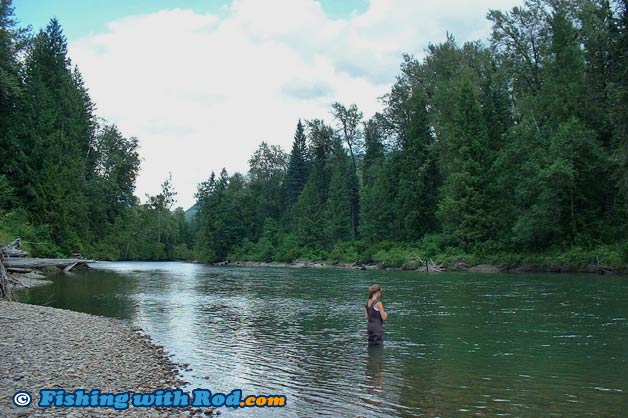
[
  {"x": 428, "y": 266},
  {"x": 70, "y": 267}
]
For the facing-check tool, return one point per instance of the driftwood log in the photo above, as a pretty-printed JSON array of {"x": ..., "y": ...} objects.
[
  {"x": 34, "y": 263},
  {"x": 16, "y": 261},
  {"x": 18, "y": 270},
  {"x": 13, "y": 249}
]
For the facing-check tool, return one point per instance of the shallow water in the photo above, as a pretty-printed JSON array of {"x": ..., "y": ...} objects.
[{"x": 457, "y": 344}]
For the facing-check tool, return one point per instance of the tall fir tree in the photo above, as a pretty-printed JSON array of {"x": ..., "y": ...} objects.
[
  {"x": 55, "y": 133},
  {"x": 10, "y": 93},
  {"x": 297, "y": 174},
  {"x": 463, "y": 208},
  {"x": 338, "y": 214},
  {"x": 373, "y": 149}
]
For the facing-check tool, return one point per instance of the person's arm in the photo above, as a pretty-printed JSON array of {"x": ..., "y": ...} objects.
[
  {"x": 366, "y": 313},
  {"x": 382, "y": 312}
]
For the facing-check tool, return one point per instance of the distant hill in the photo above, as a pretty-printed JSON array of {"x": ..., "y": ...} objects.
[{"x": 189, "y": 214}]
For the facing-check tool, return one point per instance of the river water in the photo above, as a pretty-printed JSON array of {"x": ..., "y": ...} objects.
[{"x": 457, "y": 344}]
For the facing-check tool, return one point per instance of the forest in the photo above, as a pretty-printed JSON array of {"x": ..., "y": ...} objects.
[{"x": 510, "y": 151}]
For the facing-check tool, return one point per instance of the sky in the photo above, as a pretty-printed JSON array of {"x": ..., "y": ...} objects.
[{"x": 201, "y": 83}]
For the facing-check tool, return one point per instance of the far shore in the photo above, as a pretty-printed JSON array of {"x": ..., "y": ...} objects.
[{"x": 458, "y": 267}]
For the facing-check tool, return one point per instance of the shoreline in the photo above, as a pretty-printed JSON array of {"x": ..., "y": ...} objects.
[
  {"x": 50, "y": 348},
  {"x": 26, "y": 273},
  {"x": 484, "y": 268},
  {"x": 459, "y": 267}
]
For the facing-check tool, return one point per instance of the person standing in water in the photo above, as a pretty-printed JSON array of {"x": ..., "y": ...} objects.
[{"x": 376, "y": 315}]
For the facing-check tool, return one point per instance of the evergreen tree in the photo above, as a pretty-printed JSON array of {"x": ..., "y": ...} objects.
[
  {"x": 320, "y": 149},
  {"x": 10, "y": 89},
  {"x": 618, "y": 97},
  {"x": 374, "y": 149},
  {"x": 417, "y": 195},
  {"x": 377, "y": 213},
  {"x": 203, "y": 220},
  {"x": 338, "y": 214},
  {"x": 296, "y": 177},
  {"x": 308, "y": 216},
  {"x": 463, "y": 209},
  {"x": 55, "y": 127},
  {"x": 10, "y": 86}
]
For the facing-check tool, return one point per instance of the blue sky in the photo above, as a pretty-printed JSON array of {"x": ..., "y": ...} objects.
[
  {"x": 81, "y": 17},
  {"x": 201, "y": 83}
]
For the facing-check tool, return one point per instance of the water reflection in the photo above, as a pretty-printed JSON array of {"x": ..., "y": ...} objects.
[
  {"x": 375, "y": 374},
  {"x": 102, "y": 293}
]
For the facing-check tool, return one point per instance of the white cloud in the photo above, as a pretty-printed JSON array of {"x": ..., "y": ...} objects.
[{"x": 202, "y": 91}]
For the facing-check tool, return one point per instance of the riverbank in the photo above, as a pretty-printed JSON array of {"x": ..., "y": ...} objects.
[
  {"x": 595, "y": 258},
  {"x": 470, "y": 263},
  {"x": 25, "y": 273},
  {"x": 480, "y": 268},
  {"x": 44, "y": 348}
]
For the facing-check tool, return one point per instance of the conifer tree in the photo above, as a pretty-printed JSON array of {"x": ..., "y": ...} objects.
[
  {"x": 296, "y": 176},
  {"x": 463, "y": 209},
  {"x": 55, "y": 133},
  {"x": 10, "y": 93},
  {"x": 338, "y": 215}
]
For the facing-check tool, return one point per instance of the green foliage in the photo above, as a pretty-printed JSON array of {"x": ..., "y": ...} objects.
[
  {"x": 565, "y": 189},
  {"x": 288, "y": 249},
  {"x": 513, "y": 153},
  {"x": 6, "y": 193},
  {"x": 37, "y": 239},
  {"x": 266, "y": 187},
  {"x": 348, "y": 129},
  {"x": 398, "y": 256}
]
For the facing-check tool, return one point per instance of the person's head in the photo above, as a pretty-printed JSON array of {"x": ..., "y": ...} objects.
[{"x": 375, "y": 289}]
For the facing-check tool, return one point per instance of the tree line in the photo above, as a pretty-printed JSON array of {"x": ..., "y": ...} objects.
[
  {"x": 516, "y": 145},
  {"x": 510, "y": 146},
  {"x": 67, "y": 178}
]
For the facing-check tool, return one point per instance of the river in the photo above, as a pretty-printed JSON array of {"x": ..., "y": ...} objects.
[{"x": 457, "y": 344}]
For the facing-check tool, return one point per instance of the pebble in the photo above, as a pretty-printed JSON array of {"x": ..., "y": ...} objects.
[{"x": 44, "y": 347}]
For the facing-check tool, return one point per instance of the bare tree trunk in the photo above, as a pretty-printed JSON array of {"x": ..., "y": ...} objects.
[{"x": 6, "y": 290}]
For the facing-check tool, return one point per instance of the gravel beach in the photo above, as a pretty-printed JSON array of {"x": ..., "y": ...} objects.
[{"x": 47, "y": 348}]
